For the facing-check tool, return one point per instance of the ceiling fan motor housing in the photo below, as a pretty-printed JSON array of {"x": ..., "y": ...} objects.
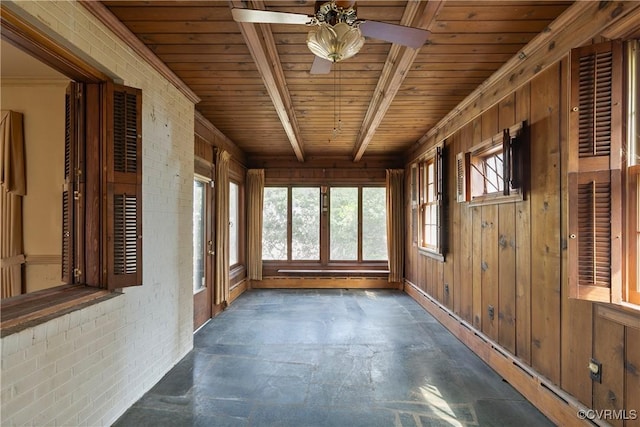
[{"x": 333, "y": 12}]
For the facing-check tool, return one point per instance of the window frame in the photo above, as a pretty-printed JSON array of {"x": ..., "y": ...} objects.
[
  {"x": 631, "y": 194},
  {"x": 235, "y": 268},
  {"x": 206, "y": 224},
  {"x": 325, "y": 260},
  {"x": 511, "y": 145},
  {"x": 421, "y": 201}
]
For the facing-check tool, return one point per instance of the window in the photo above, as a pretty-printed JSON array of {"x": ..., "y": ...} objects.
[
  {"x": 487, "y": 169},
  {"x": 274, "y": 223},
  {"x": 374, "y": 224},
  {"x": 492, "y": 171},
  {"x": 427, "y": 193},
  {"x": 234, "y": 221},
  {"x": 633, "y": 175},
  {"x": 603, "y": 174},
  {"x": 199, "y": 233},
  {"x": 343, "y": 224},
  {"x": 354, "y": 217},
  {"x": 305, "y": 223}
]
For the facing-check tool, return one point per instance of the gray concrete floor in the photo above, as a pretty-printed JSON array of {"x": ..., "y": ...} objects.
[{"x": 341, "y": 358}]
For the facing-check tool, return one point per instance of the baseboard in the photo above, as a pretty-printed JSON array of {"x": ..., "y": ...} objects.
[
  {"x": 324, "y": 283},
  {"x": 556, "y": 404},
  {"x": 238, "y": 290}
]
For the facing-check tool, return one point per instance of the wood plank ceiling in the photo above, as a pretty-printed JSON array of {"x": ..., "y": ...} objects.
[{"x": 255, "y": 86}]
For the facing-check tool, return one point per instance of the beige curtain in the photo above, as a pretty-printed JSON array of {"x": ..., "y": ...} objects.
[
  {"x": 13, "y": 184},
  {"x": 255, "y": 198},
  {"x": 221, "y": 286},
  {"x": 395, "y": 224}
]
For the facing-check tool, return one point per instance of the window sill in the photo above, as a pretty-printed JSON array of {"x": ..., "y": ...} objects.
[
  {"x": 28, "y": 310},
  {"x": 627, "y": 314},
  {"x": 435, "y": 255},
  {"x": 495, "y": 199}
]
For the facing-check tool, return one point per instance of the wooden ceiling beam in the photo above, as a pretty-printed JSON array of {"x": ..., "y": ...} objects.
[
  {"x": 265, "y": 56},
  {"x": 395, "y": 70}
]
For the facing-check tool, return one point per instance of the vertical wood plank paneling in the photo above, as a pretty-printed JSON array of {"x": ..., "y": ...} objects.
[
  {"x": 476, "y": 265},
  {"x": 609, "y": 350},
  {"x": 489, "y": 261},
  {"x": 440, "y": 283},
  {"x": 576, "y": 314},
  {"x": 632, "y": 376},
  {"x": 507, "y": 248},
  {"x": 545, "y": 223},
  {"x": 523, "y": 247},
  {"x": 476, "y": 242},
  {"x": 490, "y": 270},
  {"x": 464, "y": 282}
]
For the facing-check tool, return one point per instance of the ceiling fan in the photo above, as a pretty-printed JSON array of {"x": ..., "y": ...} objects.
[{"x": 337, "y": 32}]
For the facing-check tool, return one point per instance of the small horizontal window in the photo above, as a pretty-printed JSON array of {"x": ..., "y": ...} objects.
[{"x": 493, "y": 171}]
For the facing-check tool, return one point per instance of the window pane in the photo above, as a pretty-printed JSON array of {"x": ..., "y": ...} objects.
[
  {"x": 198, "y": 234},
  {"x": 374, "y": 224},
  {"x": 305, "y": 223},
  {"x": 274, "y": 224},
  {"x": 233, "y": 223},
  {"x": 431, "y": 183},
  {"x": 343, "y": 224}
]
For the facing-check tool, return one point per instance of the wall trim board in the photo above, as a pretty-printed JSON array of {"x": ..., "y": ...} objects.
[
  {"x": 324, "y": 283},
  {"x": 555, "y": 403},
  {"x": 43, "y": 259}
]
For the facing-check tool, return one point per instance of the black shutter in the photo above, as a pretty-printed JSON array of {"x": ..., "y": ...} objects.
[
  {"x": 123, "y": 155},
  {"x": 441, "y": 173},
  {"x": 595, "y": 209}
]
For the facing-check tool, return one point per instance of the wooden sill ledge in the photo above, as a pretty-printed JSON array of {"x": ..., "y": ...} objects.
[
  {"x": 335, "y": 272},
  {"x": 28, "y": 310}
]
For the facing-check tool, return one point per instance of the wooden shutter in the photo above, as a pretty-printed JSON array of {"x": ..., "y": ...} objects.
[
  {"x": 463, "y": 189},
  {"x": 70, "y": 166},
  {"x": 441, "y": 197},
  {"x": 595, "y": 209},
  {"x": 123, "y": 165}
]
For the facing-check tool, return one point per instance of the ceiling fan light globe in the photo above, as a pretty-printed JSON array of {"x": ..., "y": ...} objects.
[{"x": 335, "y": 43}]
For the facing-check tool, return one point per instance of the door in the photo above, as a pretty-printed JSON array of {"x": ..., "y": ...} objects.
[{"x": 203, "y": 250}]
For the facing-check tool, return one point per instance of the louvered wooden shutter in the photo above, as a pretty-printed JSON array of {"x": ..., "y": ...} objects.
[
  {"x": 70, "y": 149},
  {"x": 594, "y": 244},
  {"x": 123, "y": 152},
  {"x": 462, "y": 183}
]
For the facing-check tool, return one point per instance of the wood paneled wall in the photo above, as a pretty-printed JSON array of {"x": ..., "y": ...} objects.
[{"x": 512, "y": 257}]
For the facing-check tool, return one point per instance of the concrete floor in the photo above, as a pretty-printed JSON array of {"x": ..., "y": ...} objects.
[{"x": 341, "y": 358}]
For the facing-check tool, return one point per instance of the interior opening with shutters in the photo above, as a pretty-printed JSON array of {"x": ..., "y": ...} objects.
[{"x": 594, "y": 168}]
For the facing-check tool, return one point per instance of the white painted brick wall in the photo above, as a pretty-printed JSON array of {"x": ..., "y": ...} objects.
[{"x": 87, "y": 367}]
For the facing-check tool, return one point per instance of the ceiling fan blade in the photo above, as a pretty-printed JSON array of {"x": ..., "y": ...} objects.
[
  {"x": 406, "y": 36},
  {"x": 268, "y": 17},
  {"x": 320, "y": 65}
]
